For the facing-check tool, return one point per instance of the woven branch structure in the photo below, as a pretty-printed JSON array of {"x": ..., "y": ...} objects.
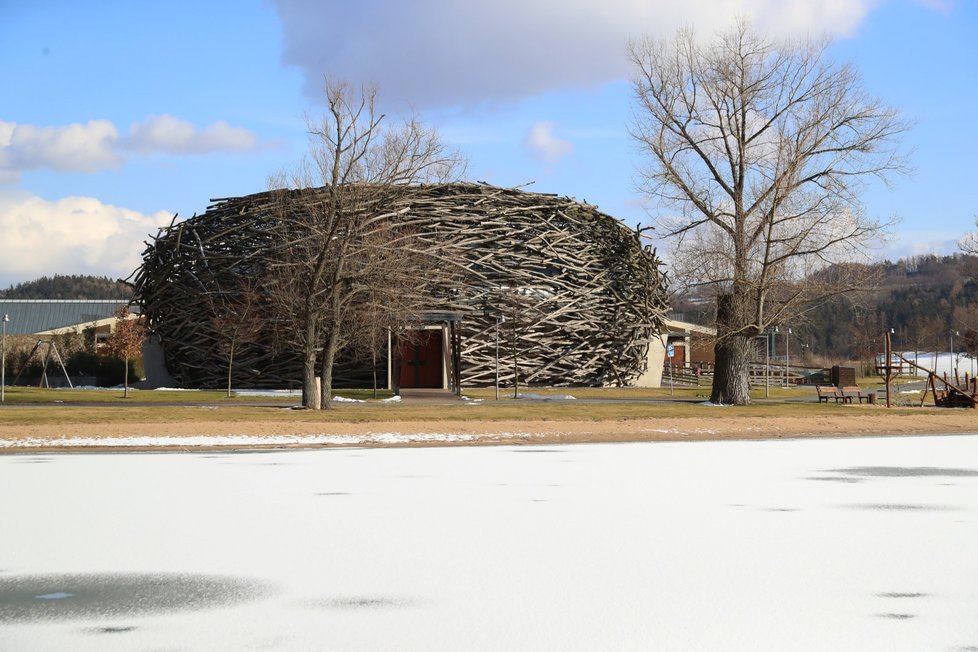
[{"x": 572, "y": 294}]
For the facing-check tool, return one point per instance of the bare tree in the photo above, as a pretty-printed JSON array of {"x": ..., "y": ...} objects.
[
  {"x": 756, "y": 152},
  {"x": 234, "y": 318},
  {"x": 392, "y": 295},
  {"x": 969, "y": 243},
  {"x": 337, "y": 260}
]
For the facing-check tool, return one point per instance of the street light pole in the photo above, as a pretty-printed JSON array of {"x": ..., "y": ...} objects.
[
  {"x": 516, "y": 364},
  {"x": 499, "y": 320},
  {"x": 786, "y": 357},
  {"x": 3, "y": 360},
  {"x": 766, "y": 336},
  {"x": 767, "y": 365},
  {"x": 954, "y": 367}
]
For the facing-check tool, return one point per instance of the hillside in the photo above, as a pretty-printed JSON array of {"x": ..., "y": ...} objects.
[
  {"x": 74, "y": 286},
  {"x": 924, "y": 299}
]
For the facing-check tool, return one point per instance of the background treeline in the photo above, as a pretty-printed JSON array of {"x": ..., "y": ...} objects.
[
  {"x": 72, "y": 286},
  {"x": 925, "y": 299}
]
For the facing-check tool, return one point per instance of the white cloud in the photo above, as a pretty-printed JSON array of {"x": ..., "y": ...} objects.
[
  {"x": 74, "y": 235},
  {"x": 439, "y": 53},
  {"x": 174, "y": 136},
  {"x": 77, "y": 147},
  {"x": 97, "y": 145},
  {"x": 542, "y": 144}
]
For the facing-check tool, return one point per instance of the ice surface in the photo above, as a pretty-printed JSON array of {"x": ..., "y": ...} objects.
[{"x": 832, "y": 544}]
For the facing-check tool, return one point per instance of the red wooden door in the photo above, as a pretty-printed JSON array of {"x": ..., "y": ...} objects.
[
  {"x": 421, "y": 361},
  {"x": 679, "y": 355}
]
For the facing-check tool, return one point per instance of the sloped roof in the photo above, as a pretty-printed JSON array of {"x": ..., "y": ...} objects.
[{"x": 28, "y": 316}]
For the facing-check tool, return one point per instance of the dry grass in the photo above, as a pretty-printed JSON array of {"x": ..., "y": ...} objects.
[
  {"x": 33, "y": 396},
  {"x": 508, "y": 410},
  {"x": 609, "y": 415}
]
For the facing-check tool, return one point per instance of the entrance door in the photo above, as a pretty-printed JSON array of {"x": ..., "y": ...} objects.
[
  {"x": 421, "y": 361},
  {"x": 679, "y": 355}
]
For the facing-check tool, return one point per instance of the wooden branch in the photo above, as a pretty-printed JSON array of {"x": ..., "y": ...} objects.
[{"x": 581, "y": 292}]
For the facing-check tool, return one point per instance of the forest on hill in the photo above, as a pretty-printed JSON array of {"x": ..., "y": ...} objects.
[
  {"x": 926, "y": 300},
  {"x": 70, "y": 286}
]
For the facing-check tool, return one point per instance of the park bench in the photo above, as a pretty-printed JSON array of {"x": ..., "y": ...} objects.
[
  {"x": 854, "y": 391},
  {"x": 825, "y": 392}
]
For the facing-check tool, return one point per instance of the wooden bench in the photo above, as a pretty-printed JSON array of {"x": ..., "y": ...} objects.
[
  {"x": 825, "y": 392},
  {"x": 854, "y": 391}
]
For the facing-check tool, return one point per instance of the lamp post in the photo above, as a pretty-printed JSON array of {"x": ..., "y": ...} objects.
[
  {"x": 766, "y": 335},
  {"x": 488, "y": 312},
  {"x": 3, "y": 360},
  {"x": 787, "y": 333},
  {"x": 499, "y": 319},
  {"x": 767, "y": 365},
  {"x": 954, "y": 366}
]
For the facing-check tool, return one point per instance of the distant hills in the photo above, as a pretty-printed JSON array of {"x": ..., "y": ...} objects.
[
  {"x": 73, "y": 286},
  {"x": 925, "y": 299}
]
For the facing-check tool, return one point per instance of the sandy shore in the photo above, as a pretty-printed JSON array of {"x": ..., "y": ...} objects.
[{"x": 202, "y": 435}]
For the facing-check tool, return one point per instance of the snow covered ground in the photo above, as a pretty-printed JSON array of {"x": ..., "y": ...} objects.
[
  {"x": 844, "y": 544},
  {"x": 942, "y": 362}
]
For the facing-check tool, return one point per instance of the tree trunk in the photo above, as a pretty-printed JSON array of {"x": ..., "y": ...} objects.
[
  {"x": 329, "y": 355},
  {"x": 125, "y": 384},
  {"x": 230, "y": 362},
  {"x": 373, "y": 360},
  {"x": 731, "y": 377},
  {"x": 395, "y": 354},
  {"x": 309, "y": 390}
]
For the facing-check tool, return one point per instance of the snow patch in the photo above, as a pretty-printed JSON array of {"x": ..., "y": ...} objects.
[
  {"x": 233, "y": 441},
  {"x": 268, "y": 392},
  {"x": 544, "y": 397}
]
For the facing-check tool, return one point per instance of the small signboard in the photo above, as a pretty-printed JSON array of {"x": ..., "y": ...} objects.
[{"x": 671, "y": 350}]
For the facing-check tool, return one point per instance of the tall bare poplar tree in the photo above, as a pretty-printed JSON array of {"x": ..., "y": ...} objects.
[
  {"x": 756, "y": 152},
  {"x": 339, "y": 259}
]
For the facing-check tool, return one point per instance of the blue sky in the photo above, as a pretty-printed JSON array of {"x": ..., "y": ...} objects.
[{"x": 116, "y": 115}]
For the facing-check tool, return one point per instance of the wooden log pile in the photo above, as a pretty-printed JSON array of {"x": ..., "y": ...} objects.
[{"x": 574, "y": 294}]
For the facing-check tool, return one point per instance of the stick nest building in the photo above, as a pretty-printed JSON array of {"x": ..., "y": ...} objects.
[{"x": 573, "y": 295}]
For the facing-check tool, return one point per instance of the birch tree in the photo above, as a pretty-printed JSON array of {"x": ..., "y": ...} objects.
[{"x": 755, "y": 154}]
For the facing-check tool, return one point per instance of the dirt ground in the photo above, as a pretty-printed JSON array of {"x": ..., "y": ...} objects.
[{"x": 721, "y": 427}]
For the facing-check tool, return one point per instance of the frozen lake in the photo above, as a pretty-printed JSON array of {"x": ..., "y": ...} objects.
[{"x": 845, "y": 544}]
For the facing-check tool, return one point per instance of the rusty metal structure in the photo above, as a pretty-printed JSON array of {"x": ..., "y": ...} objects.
[{"x": 572, "y": 294}]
